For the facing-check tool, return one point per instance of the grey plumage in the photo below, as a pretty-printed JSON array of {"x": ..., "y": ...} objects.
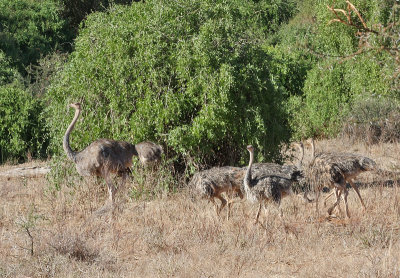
[
  {"x": 292, "y": 172},
  {"x": 211, "y": 183},
  {"x": 104, "y": 157},
  {"x": 265, "y": 185},
  {"x": 148, "y": 152},
  {"x": 334, "y": 170}
]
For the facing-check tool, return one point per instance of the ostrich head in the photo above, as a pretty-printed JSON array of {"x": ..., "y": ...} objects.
[{"x": 367, "y": 164}]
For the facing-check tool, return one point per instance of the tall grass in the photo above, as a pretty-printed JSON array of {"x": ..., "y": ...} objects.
[{"x": 172, "y": 235}]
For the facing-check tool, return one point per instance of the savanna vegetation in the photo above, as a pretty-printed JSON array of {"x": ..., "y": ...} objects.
[
  {"x": 203, "y": 78},
  {"x": 56, "y": 233}
]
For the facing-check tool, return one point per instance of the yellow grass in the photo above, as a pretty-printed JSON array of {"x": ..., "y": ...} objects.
[{"x": 177, "y": 236}]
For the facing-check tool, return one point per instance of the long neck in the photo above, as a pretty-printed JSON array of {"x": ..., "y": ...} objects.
[
  {"x": 247, "y": 178},
  {"x": 67, "y": 148}
]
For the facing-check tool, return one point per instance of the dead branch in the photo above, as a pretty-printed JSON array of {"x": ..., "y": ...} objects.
[
  {"x": 385, "y": 34},
  {"x": 350, "y": 8}
]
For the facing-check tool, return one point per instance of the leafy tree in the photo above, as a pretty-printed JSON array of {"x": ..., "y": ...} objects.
[
  {"x": 381, "y": 36},
  {"x": 341, "y": 73},
  {"x": 31, "y": 29},
  {"x": 40, "y": 76},
  {"x": 22, "y": 129},
  {"x": 7, "y": 73},
  {"x": 193, "y": 75},
  {"x": 77, "y": 10}
]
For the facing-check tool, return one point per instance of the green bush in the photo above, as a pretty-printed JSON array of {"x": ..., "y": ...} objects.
[
  {"x": 192, "y": 75},
  {"x": 22, "y": 130},
  {"x": 326, "y": 97},
  {"x": 31, "y": 29},
  {"x": 40, "y": 76},
  {"x": 340, "y": 75},
  {"x": 77, "y": 10},
  {"x": 7, "y": 73}
]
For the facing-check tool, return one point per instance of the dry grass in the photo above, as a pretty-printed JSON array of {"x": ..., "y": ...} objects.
[{"x": 175, "y": 236}]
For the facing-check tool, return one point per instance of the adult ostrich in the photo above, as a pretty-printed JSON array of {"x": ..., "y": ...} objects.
[{"x": 105, "y": 157}]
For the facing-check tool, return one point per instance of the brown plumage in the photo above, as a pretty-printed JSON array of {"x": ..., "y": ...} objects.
[
  {"x": 334, "y": 170},
  {"x": 261, "y": 186},
  {"x": 292, "y": 172},
  {"x": 213, "y": 182},
  {"x": 148, "y": 152},
  {"x": 104, "y": 157}
]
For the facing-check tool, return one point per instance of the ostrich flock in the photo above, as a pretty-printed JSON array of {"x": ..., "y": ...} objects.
[{"x": 258, "y": 182}]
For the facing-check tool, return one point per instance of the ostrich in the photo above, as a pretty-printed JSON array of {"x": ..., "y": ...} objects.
[
  {"x": 211, "y": 183},
  {"x": 292, "y": 172},
  {"x": 264, "y": 186},
  {"x": 105, "y": 157},
  {"x": 148, "y": 152},
  {"x": 334, "y": 170}
]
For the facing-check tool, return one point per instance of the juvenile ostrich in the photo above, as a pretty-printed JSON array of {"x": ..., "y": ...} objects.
[
  {"x": 334, "y": 170},
  {"x": 263, "y": 187},
  {"x": 292, "y": 172},
  {"x": 105, "y": 157},
  {"x": 213, "y": 182}
]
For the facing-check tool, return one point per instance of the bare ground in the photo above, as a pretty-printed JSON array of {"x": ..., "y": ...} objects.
[{"x": 55, "y": 233}]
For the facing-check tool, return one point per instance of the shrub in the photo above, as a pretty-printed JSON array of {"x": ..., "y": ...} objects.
[
  {"x": 30, "y": 29},
  {"x": 40, "y": 76},
  {"x": 7, "y": 73},
  {"x": 192, "y": 75},
  {"x": 373, "y": 119},
  {"x": 77, "y": 10},
  {"x": 339, "y": 76},
  {"x": 22, "y": 130},
  {"x": 326, "y": 95},
  {"x": 150, "y": 182}
]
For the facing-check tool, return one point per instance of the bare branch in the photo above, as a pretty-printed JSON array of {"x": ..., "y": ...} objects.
[
  {"x": 335, "y": 20},
  {"x": 349, "y": 22},
  {"x": 357, "y": 12}
]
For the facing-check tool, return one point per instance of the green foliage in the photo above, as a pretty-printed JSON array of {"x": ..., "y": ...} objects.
[
  {"x": 7, "y": 73},
  {"x": 191, "y": 75},
  {"x": 40, "y": 76},
  {"x": 77, "y": 10},
  {"x": 288, "y": 69},
  {"x": 153, "y": 182},
  {"x": 341, "y": 73},
  {"x": 29, "y": 29},
  {"x": 22, "y": 130},
  {"x": 330, "y": 89},
  {"x": 326, "y": 94}
]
